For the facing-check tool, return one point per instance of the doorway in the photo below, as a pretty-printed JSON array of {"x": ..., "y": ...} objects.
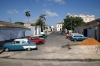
[{"x": 85, "y": 32}]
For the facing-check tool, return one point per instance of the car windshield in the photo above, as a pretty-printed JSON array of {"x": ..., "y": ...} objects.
[
  {"x": 78, "y": 36},
  {"x": 15, "y": 42}
]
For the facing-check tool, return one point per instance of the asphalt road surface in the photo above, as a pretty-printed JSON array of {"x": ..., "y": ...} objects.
[{"x": 47, "y": 54}]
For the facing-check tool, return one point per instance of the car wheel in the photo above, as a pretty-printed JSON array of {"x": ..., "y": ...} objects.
[
  {"x": 39, "y": 43},
  {"x": 7, "y": 49},
  {"x": 36, "y": 48},
  {"x": 28, "y": 49},
  {"x": 75, "y": 40}
]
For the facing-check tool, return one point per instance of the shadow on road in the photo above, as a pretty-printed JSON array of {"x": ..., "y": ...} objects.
[{"x": 1, "y": 51}]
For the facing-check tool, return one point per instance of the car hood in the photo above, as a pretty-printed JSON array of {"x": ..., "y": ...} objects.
[{"x": 8, "y": 43}]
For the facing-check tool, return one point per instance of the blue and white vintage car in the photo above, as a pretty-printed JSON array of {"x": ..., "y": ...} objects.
[
  {"x": 77, "y": 37},
  {"x": 19, "y": 44}
]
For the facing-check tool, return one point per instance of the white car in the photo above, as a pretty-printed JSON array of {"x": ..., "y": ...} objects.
[{"x": 19, "y": 44}]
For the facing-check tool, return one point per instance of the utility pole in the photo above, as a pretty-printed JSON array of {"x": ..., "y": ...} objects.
[
  {"x": 71, "y": 24},
  {"x": 10, "y": 31},
  {"x": 10, "y": 20}
]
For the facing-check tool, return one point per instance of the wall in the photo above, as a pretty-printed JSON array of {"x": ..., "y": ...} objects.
[
  {"x": 11, "y": 33},
  {"x": 92, "y": 30},
  {"x": 59, "y": 27}
]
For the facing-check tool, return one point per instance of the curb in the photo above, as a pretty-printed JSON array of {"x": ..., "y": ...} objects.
[{"x": 81, "y": 60}]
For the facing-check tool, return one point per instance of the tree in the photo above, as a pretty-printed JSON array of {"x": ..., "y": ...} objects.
[
  {"x": 41, "y": 22},
  {"x": 19, "y": 23},
  {"x": 27, "y": 14},
  {"x": 71, "y": 22}
]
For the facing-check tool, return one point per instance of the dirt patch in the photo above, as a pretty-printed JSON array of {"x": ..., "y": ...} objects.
[{"x": 89, "y": 41}]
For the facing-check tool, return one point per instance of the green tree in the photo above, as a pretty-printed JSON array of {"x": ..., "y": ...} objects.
[
  {"x": 19, "y": 23},
  {"x": 71, "y": 22},
  {"x": 41, "y": 22},
  {"x": 27, "y": 13}
]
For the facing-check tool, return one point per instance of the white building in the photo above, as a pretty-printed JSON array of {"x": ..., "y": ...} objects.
[
  {"x": 52, "y": 28},
  {"x": 59, "y": 26},
  {"x": 33, "y": 30},
  {"x": 86, "y": 18},
  {"x": 90, "y": 29}
]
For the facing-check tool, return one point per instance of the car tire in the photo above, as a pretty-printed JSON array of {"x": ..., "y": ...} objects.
[
  {"x": 28, "y": 49},
  {"x": 39, "y": 43},
  {"x": 7, "y": 49},
  {"x": 36, "y": 48},
  {"x": 74, "y": 40}
]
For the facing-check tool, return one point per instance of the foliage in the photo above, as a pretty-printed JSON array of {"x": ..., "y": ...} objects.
[
  {"x": 27, "y": 13},
  {"x": 19, "y": 23},
  {"x": 41, "y": 22},
  {"x": 71, "y": 22}
]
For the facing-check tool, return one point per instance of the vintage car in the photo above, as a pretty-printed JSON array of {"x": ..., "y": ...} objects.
[
  {"x": 70, "y": 34},
  {"x": 19, "y": 44},
  {"x": 37, "y": 40},
  {"x": 77, "y": 37},
  {"x": 41, "y": 36}
]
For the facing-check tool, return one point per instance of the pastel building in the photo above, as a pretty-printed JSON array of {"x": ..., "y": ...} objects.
[
  {"x": 86, "y": 18},
  {"x": 59, "y": 26}
]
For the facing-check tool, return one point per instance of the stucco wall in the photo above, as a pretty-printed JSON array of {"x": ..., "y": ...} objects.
[
  {"x": 11, "y": 33},
  {"x": 92, "y": 30}
]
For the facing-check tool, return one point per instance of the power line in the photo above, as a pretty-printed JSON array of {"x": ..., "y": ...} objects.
[{"x": 36, "y": 5}]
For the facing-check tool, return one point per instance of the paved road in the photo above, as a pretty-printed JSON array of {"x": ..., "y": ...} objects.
[{"x": 50, "y": 54}]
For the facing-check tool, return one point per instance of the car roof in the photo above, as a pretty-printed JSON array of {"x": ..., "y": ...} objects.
[
  {"x": 33, "y": 37},
  {"x": 38, "y": 35},
  {"x": 24, "y": 39},
  {"x": 77, "y": 34},
  {"x": 74, "y": 33}
]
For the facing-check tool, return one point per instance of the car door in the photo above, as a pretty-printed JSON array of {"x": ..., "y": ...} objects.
[
  {"x": 15, "y": 45},
  {"x": 22, "y": 44},
  {"x": 33, "y": 39},
  {"x": 81, "y": 37}
]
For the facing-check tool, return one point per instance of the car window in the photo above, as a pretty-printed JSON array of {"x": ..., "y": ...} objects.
[
  {"x": 43, "y": 35},
  {"x": 24, "y": 42},
  {"x": 78, "y": 36},
  {"x": 16, "y": 42},
  {"x": 33, "y": 38}
]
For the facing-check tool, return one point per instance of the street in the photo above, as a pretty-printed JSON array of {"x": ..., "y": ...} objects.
[{"x": 54, "y": 52}]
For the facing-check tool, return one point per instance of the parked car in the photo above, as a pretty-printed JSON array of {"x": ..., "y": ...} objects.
[
  {"x": 42, "y": 36},
  {"x": 77, "y": 37},
  {"x": 37, "y": 40},
  {"x": 70, "y": 34},
  {"x": 19, "y": 44}
]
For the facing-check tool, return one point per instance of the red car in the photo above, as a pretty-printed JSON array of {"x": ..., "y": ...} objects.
[
  {"x": 68, "y": 35},
  {"x": 37, "y": 40}
]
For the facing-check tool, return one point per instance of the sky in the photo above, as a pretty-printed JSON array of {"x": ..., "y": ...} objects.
[{"x": 55, "y": 10}]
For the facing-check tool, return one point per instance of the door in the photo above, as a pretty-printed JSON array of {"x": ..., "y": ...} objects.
[
  {"x": 15, "y": 45},
  {"x": 96, "y": 34},
  {"x": 85, "y": 32}
]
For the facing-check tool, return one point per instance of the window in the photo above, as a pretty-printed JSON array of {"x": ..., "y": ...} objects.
[
  {"x": 15, "y": 42},
  {"x": 78, "y": 36},
  {"x": 23, "y": 42}
]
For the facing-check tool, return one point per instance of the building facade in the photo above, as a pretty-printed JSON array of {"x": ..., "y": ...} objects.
[
  {"x": 90, "y": 29},
  {"x": 59, "y": 26},
  {"x": 86, "y": 18}
]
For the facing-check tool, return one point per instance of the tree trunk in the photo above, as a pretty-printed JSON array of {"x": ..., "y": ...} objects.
[
  {"x": 41, "y": 29},
  {"x": 99, "y": 32}
]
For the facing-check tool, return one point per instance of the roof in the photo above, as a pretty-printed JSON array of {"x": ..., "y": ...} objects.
[
  {"x": 60, "y": 23},
  {"x": 91, "y": 22},
  {"x": 10, "y": 25}
]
